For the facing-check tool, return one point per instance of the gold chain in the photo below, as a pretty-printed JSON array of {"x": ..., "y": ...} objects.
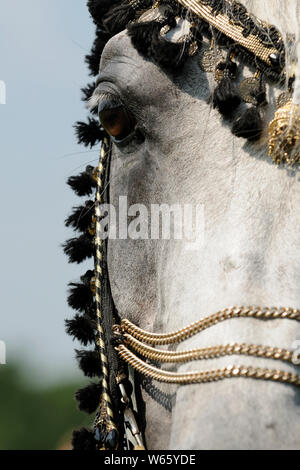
[
  {"x": 205, "y": 376},
  {"x": 207, "y": 322},
  {"x": 131, "y": 336},
  {"x": 244, "y": 349}
]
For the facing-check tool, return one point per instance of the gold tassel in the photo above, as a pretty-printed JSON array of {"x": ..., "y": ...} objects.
[{"x": 284, "y": 135}]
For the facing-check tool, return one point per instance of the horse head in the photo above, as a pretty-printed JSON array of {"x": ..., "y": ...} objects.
[{"x": 187, "y": 106}]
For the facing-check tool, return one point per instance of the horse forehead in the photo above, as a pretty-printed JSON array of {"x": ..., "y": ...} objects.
[
  {"x": 122, "y": 63},
  {"x": 142, "y": 78},
  {"x": 118, "y": 46}
]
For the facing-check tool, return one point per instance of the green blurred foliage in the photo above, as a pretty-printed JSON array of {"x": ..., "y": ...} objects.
[{"x": 36, "y": 419}]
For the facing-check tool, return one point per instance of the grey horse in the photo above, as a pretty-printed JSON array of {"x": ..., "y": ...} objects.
[{"x": 250, "y": 254}]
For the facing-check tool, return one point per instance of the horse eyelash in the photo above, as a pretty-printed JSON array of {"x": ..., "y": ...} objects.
[{"x": 98, "y": 96}]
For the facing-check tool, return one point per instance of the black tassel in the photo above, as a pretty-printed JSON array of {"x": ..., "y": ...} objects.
[
  {"x": 83, "y": 184},
  {"x": 81, "y": 328},
  {"x": 81, "y": 217},
  {"x": 90, "y": 133},
  {"x": 249, "y": 125},
  {"x": 79, "y": 249},
  {"x": 87, "y": 277},
  {"x": 81, "y": 295},
  {"x": 118, "y": 17},
  {"x": 83, "y": 440},
  {"x": 90, "y": 313},
  {"x": 88, "y": 398},
  {"x": 226, "y": 98},
  {"x": 146, "y": 38},
  {"x": 98, "y": 8},
  {"x": 89, "y": 363}
]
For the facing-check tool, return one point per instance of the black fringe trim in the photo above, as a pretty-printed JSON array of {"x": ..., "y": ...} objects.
[
  {"x": 118, "y": 17},
  {"x": 84, "y": 183},
  {"x": 81, "y": 296},
  {"x": 81, "y": 328},
  {"x": 249, "y": 125},
  {"x": 111, "y": 18},
  {"x": 98, "y": 8},
  {"x": 79, "y": 249},
  {"x": 89, "y": 363},
  {"x": 89, "y": 133},
  {"x": 225, "y": 97},
  {"x": 81, "y": 217},
  {"x": 83, "y": 440},
  {"x": 88, "y": 398},
  {"x": 244, "y": 55}
]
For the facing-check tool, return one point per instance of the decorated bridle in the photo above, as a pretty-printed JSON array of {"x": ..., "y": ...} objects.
[{"x": 119, "y": 344}]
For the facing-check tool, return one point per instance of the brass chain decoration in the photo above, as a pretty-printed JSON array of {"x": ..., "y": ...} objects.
[
  {"x": 130, "y": 336},
  {"x": 104, "y": 424},
  {"x": 207, "y": 353}
]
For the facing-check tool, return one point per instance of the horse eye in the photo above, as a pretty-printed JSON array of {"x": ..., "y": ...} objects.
[{"x": 117, "y": 121}]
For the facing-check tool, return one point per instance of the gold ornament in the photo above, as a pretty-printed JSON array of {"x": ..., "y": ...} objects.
[
  {"x": 284, "y": 135},
  {"x": 249, "y": 88},
  {"x": 193, "y": 49},
  {"x": 210, "y": 58},
  {"x": 164, "y": 30},
  {"x": 283, "y": 99},
  {"x": 219, "y": 75}
]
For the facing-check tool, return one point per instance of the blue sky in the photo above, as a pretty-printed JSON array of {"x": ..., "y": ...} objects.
[{"x": 42, "y": 48}]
